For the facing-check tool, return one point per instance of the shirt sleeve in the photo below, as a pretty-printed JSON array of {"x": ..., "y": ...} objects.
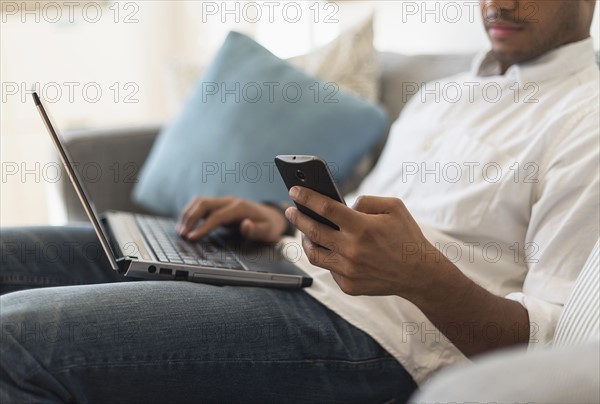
[{"x": 563, "y": 226}]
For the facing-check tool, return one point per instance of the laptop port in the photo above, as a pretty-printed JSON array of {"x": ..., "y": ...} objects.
[
  {"x": 152, "y": 269},
  {"x": 181, "y": 275},
  {"x": 166, "y": 271}
]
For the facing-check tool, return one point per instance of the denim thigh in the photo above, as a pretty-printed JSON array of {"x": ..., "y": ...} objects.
[{"x": 110, "y": 341}]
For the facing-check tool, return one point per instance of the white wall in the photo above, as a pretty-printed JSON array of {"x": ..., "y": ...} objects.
[{"x": 136, "y": 52}]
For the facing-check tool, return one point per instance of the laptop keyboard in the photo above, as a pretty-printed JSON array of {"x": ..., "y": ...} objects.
[{"x": 169, "y": 247}]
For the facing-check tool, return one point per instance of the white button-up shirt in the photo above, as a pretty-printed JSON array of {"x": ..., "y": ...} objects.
[{"x": 501, "y": 173}]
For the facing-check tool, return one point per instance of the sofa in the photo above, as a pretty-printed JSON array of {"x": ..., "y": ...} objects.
[{"x": 120, "y": 152}]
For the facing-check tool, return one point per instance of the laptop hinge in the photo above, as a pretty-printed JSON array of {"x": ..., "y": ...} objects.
[{"x": 124, "y": 263}]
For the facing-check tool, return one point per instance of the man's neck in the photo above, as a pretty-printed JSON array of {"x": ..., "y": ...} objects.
[{"x": 505, "y": 66}]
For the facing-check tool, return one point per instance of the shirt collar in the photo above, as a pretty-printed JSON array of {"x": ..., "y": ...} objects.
[{"x": 559, "y": 62}]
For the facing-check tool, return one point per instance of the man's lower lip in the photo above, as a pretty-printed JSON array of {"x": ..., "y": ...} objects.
[{"x": 501, "y": 32}]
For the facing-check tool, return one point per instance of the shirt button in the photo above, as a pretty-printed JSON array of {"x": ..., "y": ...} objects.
[{"x": 426, "y": 146}]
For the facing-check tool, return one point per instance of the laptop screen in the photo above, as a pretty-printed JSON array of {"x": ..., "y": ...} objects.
[{"x": 73, "y": 174}]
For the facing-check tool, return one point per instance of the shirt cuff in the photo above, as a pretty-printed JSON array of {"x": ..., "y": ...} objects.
[{"x": 543, "y": 319}]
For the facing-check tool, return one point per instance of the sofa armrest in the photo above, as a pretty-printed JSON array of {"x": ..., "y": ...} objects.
[{"x": 109, "y": 162}]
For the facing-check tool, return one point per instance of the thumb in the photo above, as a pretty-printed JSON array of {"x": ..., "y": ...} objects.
[
  {"x": 255, "y": 231},
  {"x": 375, "y": 204}
]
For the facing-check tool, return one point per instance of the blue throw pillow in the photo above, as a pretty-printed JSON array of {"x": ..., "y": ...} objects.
[{"x": 248, "y": 107}]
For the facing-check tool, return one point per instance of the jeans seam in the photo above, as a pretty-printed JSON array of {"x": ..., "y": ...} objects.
[
  {"x": 351, "y": 362},
  {"x": 344, "y": 363}
]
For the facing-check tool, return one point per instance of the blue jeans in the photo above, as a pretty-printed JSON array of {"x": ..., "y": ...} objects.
[{"x": 73, "y": 330}]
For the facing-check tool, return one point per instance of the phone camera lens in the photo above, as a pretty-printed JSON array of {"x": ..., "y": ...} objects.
[{"x": 300, "y": 175}]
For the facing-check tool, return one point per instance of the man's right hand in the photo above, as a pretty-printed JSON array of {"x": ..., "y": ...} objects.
[{"x": 255, "y": 221}]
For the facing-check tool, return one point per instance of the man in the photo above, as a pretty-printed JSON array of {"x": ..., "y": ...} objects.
[{"x": 469, "y": 253}]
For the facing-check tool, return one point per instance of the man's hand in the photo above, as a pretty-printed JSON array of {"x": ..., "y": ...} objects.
[
  {"x": 255, "y": 221},
  {"x": 379, "y": 250}
]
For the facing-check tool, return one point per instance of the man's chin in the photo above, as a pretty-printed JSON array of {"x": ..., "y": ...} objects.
[{"x": 511, "y": 57}]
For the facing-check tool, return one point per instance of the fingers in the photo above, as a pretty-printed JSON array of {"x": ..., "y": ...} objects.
[
  {"x": 223, "y": 216},
  {"x": 330, "y": 209},
  {"x": 247, "y": 229},
  {"x": 254, "y": 221},
  {"x": 338, "y": 266},
  {"x": 197, "y": 209},
  {"x": 321, "y": 256},
  {"x": 258, "y": 231},
  {"x": 316, "y": 232}
]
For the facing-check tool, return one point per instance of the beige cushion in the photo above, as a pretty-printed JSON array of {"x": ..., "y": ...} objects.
[{"x": 350, "y": 61}]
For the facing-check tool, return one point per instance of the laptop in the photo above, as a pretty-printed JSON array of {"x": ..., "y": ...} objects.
[{"x": 148, "y": 247}]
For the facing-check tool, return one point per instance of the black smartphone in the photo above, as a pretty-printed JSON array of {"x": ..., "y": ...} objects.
[{"x": 310, "y": 172}]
